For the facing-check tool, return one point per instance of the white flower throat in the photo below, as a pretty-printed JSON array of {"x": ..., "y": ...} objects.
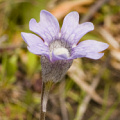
[{"x": 59, "y": 48}]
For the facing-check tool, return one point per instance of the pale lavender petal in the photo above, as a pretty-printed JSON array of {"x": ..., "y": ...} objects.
[
  {"x": 94, "y": 56},
  {"x": 31, "y": 39},
  {"x": 89, "y": 48},
  {"x": 35, "y": 44},
  {"x": 77, "y": 54},
  {"x": 47, "y": 28},
  {"x": 39, "y": 50},
  {"x": 80, "y": 31},
  {"x": 58, "y": 57},
  {"x": 92, "y": 46},
  {"x": 72, "y": 31},
  {"x": 70, "y": 22}
]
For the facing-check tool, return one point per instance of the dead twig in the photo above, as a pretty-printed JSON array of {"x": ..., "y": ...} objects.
[
  {"x": 114, "y": 47},
  {"x": 109, "y": 38},
  {"x": 3, "y": 38},
  {"x": 62, "y": 101},
  {"x": 4, "y": 48},
  {"x": 83, "y": 107},
  {"x": 93, "y": 9},
  {"x": 65, "y": 7},
  {"x": 75, "y": 74}
]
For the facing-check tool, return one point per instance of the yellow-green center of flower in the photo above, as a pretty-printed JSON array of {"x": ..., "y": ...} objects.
[{"x": 61, "y": 51}]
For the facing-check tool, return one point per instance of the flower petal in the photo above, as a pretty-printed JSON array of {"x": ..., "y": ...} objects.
[
  {"x": 80, "y": 31},
  {"x": 72, "y": 31},
  {"x": 94, "y": 56},
  {"x": 58, "y": 57},
  {"x": 92, "y": 46},
  {"x": 70, "y": 22},
  {"x": 47, "y": 28},
  {"x": 77, "y": 54},
  {"x": 35, "y": 44},
  {"x": 89, "y": 49},
  {"x": 39, "y": 50},
  {"x": 31, "y": 39}
]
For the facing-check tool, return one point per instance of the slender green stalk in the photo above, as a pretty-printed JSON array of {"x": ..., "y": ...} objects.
[{"x": 46, "y": 86}]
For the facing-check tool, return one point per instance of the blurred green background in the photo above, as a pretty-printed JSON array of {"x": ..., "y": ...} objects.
[{"x": 96, "y": 94}]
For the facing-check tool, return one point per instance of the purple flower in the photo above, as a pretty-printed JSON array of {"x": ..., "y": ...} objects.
[{"x": 59, "y": 47}]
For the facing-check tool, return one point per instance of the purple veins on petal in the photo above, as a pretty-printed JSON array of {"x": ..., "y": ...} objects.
[
  {"x": 72, "y": 31},
  {"x": 92, "y": 46},
  {"x": 35, "y": 44},
  {"x": 31, "y": 39},
  {"x": 39, "y": 50},
  {"x": 89, "y": 49},
  {"x": 81, "y": 30},
  {"x": 48, "y": 25},
  {"x": 70, "y": 22}
]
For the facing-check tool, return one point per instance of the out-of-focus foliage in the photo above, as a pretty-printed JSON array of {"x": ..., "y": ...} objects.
[{"x": 20, "y": 70}]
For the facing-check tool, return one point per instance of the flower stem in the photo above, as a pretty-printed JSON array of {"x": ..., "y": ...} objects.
[{"x": 46, "y": 86}]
